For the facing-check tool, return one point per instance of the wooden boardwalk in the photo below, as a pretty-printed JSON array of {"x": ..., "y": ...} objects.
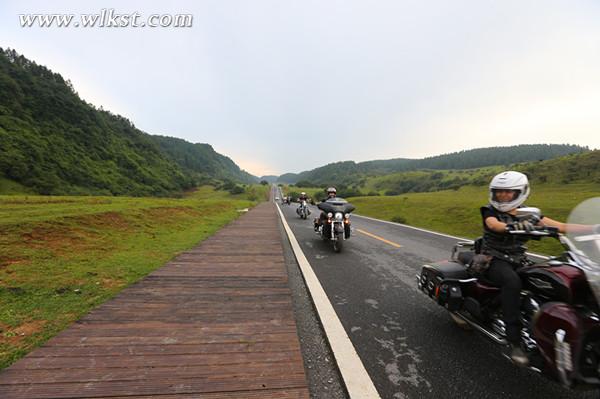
[{"x": 216, "y": 322}]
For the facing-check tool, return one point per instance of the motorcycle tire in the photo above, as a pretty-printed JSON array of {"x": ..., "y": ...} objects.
[{"x": 338, "y": 244}]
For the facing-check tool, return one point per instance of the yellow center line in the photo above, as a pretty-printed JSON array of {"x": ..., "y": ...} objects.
[{"x": 393, "y": 244}]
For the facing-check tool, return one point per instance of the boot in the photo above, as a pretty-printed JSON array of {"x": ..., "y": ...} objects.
[{"x": 518, "y": 356}]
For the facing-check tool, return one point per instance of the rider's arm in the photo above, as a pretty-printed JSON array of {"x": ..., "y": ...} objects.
[
  {"x": 495, "y": 225},
  {"x": 573, "y": 228},
  {"x": 546, "y": 221}
]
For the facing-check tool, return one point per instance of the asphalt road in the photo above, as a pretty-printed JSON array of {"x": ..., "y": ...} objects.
[{"x": 408, "y": 344}]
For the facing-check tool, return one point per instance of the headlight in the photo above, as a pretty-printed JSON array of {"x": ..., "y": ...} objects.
[
  {"x": 339, "y": 216},
  {"x": 330, "y": 215}
]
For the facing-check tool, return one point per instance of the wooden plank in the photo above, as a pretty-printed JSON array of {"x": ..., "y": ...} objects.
[
  {"x": 149, "y": 387},
  {"x": 260, "y": 394},
  {"x": 133, "y": 373},
  {"x": 139, "y": 350}
]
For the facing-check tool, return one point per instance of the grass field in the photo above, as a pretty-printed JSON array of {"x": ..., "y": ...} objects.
[
  {"x": 456, "y": 212},
  {"x": 62, "y": 256}
]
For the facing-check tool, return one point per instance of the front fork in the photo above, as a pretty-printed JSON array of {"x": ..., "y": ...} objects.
[{"x": 335, "y": 224}]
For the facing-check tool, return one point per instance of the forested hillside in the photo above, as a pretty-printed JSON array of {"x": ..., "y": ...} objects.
[
  {"x": 352, "y": 173},
  {"x": 53, "y": 142},
  {"x": 201, "y": 160},
  {"x": 575, "y": 168}
]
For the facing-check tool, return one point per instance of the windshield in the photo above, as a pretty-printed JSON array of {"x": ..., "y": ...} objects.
[
  {"x": 586, "y": 242},
  {"x": 338, "y": 200}
]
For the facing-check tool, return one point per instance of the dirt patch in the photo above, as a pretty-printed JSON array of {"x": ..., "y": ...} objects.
[
  {"x": 171, "y": 213},
  {"x": 13, "y": 336},
  {"x": 58, "y": 239},
  {"x": 114, "y": 220},
  {"x": 112, "y": 283},
  {"x": 4, "y": 328},
  {"x": 6, "y": 262},
  {"x": 75, "y": 235},
  {"x": 31, "y": 327}
]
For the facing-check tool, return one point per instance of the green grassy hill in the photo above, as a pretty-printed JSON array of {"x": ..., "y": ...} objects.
[
  {"x": 575, "y": 168},
  {"x": 201, "y": 161},
  {"x": 53, "y": 142}
]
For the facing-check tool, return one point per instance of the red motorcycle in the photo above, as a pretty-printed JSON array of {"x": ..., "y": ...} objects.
[{"x": 559, "y": 300}]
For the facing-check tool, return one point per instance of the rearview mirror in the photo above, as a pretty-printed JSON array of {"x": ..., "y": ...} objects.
[{"x": 528, "y": 213}]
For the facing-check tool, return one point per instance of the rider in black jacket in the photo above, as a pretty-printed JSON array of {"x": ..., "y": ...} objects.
[
  {"x": 331, "y": 193},
  {"x": 508, "y": 192}
]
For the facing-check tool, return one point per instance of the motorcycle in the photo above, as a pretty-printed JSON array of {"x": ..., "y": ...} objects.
[
  {"x": 336, "y": 227},
  {"x": 559, "y": 310},
  {"x": 303, "y": 210}
]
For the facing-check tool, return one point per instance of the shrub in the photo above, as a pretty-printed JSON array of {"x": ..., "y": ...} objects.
[
  {"x": 398, "y": 219},
  {"x": 237, "y": 190}
]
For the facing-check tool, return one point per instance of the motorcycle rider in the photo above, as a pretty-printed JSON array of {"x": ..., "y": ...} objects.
[
  {"x": 302, "y": 197},
  {"x": 507, "y": 192},
  {"x": 331, "y": 193}
]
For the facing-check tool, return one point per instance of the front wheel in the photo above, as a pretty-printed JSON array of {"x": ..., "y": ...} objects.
[{"x": 338, "y": 243}]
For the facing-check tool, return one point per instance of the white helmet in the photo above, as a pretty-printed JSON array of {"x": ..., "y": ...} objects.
[
  {"x": 510, "y": 180},
  {"x": 302, "y": 193}
]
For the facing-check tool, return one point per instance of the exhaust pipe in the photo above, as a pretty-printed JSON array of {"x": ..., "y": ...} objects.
[{"x": 494, "y": 337}]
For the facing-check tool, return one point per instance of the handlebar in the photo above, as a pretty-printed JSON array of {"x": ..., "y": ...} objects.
[{"x": 538, "y": 231}]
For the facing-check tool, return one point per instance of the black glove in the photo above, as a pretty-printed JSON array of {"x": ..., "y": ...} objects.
[{"x": 524, "y": 225}]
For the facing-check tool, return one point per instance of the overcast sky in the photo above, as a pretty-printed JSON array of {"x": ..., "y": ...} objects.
[{"x": 284, "y": 86}]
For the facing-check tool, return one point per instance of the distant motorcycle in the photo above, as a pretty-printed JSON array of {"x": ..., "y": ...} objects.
[
  {"x": 559, "y": 300},
  {"x": 336, "y": 226},
  {"x": 303, "y": 210}
]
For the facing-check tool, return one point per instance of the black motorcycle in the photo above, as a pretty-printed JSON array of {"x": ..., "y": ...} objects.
[
  {"x": 303, "y": 210},
  {"x": 334, "y": 224}
]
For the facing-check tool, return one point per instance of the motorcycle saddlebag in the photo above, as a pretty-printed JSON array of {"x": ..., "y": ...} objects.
[{"x": 439, "y": 281}]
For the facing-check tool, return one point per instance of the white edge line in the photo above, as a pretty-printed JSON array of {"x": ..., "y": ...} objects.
[
  {"x": 436, "y": 233},
  {"x": 355, "y": 376}
]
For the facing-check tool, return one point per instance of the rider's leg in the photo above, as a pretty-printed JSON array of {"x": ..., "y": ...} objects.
[{"x": 503, "y": 274}]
